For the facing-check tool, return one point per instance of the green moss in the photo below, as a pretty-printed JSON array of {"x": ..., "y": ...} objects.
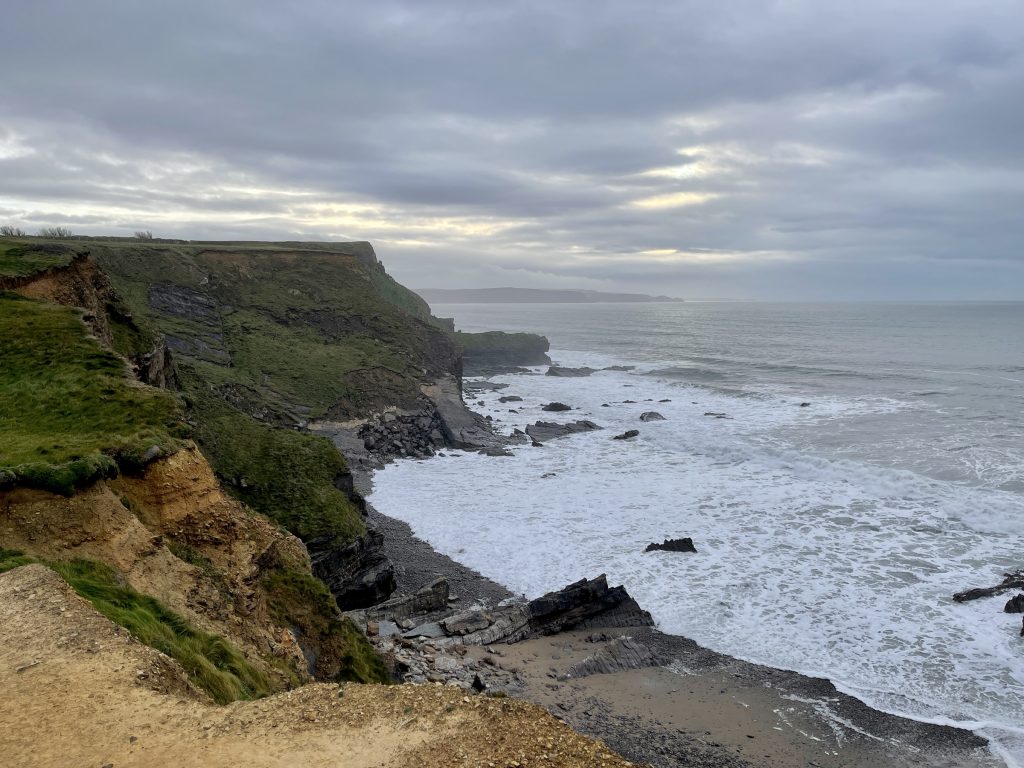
[
  {"x": 70, "y": 412},
  {"x": 213, "y": 663},
  {"x": 297, "y": 599},
  {"x": 18, "y": 259}
]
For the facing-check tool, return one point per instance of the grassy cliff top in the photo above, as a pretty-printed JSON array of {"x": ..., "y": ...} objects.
[
  {"x": 22, "y": 259},
  {"x": 68, "y": 408}
]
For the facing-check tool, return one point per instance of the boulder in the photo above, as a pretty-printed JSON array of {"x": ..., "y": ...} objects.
[
  {"x": 673, "y": 545},
  {"x": 466, "y": 623},
  {"x": 651, "y": 416},
  {"x": 556, "y": 406},
  {"x": 430, "y": 597},
  {"x": 1014, "y": 604},
  {"x": 627, "y": 435},
  {"x": 557, "y": 370},
  {"x": 543, "y": 431},
  {"x": 510, "y": 399}
]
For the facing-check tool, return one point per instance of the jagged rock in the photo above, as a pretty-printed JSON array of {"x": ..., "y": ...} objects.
[
  {"x": 620, "y": 654},
  {"x": 557, "y": 370},
  {"x": 431, "y": 597},
  {"x": 805, "y": 405},
  {"x": 717, "y": 415},
  {"x": 556, "y": 406},
  {"x": 619, "y": 368},
  {"x": 582, "y": 600},
  {"x": 673, "y": 545},
  {"x": 1014, "y": 604},
  {"x": 627, "y": 435},
  {"x": 1014, "y": 580},
  {"x": 651, "y": 416},
  {"x": 535, "y": 444},
  {"x": 510, "y": 399},
  {"x": 358, "y": 575},
  {"x": 156, "y": 367},
  {"x": 546, "y": 430}
]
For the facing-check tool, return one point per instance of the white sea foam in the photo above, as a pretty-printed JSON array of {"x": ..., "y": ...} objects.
[{"x": 806, "y": 560}]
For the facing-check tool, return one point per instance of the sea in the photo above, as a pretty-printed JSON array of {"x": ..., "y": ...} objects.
[{"x": 842, "y": 468}]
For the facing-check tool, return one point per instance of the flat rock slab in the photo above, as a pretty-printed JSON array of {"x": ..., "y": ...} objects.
[
  {"x": 547, "y": 430},
  {"x": 557, "y": 370}
]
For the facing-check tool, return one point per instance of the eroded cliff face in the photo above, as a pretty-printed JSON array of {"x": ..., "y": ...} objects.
[
  {"x": 166, "y": 523},
  {"x": 177, "y": 536}
]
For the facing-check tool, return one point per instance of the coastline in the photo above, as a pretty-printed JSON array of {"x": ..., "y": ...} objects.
[{"x": 694, "y": 706}]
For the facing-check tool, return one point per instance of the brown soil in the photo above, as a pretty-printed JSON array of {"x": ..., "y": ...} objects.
[
  {"x": 77, "y": 690},
  {"x": 130, "y": 522}
]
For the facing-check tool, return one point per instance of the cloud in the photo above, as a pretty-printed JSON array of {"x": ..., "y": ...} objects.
[{"x": 748, "y": 149}]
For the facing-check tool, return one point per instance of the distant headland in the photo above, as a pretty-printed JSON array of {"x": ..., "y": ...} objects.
[{"x": 530, "y": 296}]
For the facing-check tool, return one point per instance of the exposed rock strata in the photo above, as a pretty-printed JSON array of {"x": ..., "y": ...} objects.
[{"x": 358, "y": 575}]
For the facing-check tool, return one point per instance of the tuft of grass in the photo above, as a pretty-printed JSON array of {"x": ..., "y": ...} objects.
[
  {"x": 70, "y": 413},
  {"x": 213, "y": 663},
  {"x": 13, "y": 558},
  {"x": 298, "y": 599}
]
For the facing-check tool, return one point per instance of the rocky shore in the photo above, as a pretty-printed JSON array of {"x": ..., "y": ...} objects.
[{"x": 654, "y": 698}]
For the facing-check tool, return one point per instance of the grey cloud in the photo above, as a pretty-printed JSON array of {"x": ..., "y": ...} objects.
[{"x": 872, "y": 148}]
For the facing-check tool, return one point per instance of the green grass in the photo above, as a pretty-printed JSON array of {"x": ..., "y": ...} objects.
[
  {"x": 213, "y": 663},
  {"x": 306, "y": 326},
  {"x": 12, "y": 558},
  {"x": 286, "y": 475},
  {"x": 69, "y": 413},
  {"x": 296, "y": 598},
  {"x": 22, "y": 260}
]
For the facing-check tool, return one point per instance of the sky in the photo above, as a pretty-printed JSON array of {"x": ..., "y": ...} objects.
[{"x": 810, "y": 150}]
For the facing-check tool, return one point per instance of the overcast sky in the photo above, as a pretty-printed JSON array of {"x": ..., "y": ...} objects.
[{"x": 808, "y": 150}]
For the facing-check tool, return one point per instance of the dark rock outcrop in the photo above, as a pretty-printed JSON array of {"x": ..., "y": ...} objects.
[
  {"x": 547, "y": 430},
  {"x": 1015, "y": 604},
  {"x": 627, "y": 435},
  {"x": 673, "y": 545},
  {"x": 1014, "y": 580},
  {"x": 556, "y": 407},
  {"x": 619, "y": 368},
  {"x": 358, "y": 575},
  {"x": 427, "y": 599},
  {"x": 651, "y": 416},
  {"x": 579, "y": 602},
  {"x": 156, "y": 367},
  {"x": 510, "y": 399},
  {"x": 497, "y": 350},
  {"x": 557, "y": 370}
]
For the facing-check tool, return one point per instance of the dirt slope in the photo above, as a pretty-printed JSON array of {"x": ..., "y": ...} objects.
[{"x": 77, "y": 690}]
